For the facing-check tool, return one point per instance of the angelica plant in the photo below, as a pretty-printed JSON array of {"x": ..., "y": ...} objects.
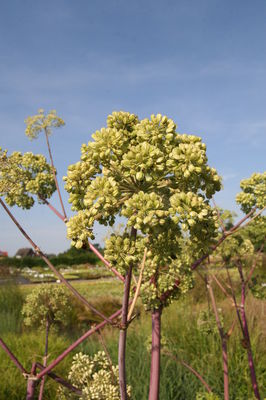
[
  {"x": 46, "y": 307},
  {"x": 47, "y": 303},
  {"x": 160, "y": 181},
  {"x": 42, "y": 122},
  {"x": 23, "y": 176},
  {"x": 253, "y": 194},
  {"x": 235, "y": 250}
]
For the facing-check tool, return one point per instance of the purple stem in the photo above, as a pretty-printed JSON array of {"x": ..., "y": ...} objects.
[
  {"x": 225, "y": 368},
  {"x": 60, "y": 380},
  {"x": 12, "y": 357},
  {"x": 45, "y": 358},
  {"x": 246, "y": 335},
  {"x": 123, "y": 336},
  {"x": 100, "y": 256},
  {"x": 224, "y": 343},
  {"x": 31, "y": 383},
  {"x": 201, "y": 259},
  {"x": 225, "y": 235},
  {"x": 123, "y": 328},
  {"x": 31, "y": 386},
  {"x": 75, "y": 344},
  {"x": 155, "y": 355},
  {"x": 194, "y": 372},
  {"x": 52, "y": 208}
]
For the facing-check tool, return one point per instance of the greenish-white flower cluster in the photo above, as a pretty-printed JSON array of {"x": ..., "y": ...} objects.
[
  {"x": 163, "y": 271},
  {"x": 40, "y": 122},
  {"x": 95, "y": 377},
  {"x": 47, "y": 303},
  {"x": 235, "y": 247},
  {"x": 253, "y": 192},
  {"x": 160, "y": 182},
  {"x": 24, "y": 175}
]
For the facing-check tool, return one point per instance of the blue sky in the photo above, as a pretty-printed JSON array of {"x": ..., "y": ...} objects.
[{"x": 200, "y": 62}]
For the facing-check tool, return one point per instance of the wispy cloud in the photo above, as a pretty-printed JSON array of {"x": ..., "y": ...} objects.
[{"x": 227, "y": 177}]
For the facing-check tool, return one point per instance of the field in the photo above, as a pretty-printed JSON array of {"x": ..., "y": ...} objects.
[{"x": 185, "y": 334}]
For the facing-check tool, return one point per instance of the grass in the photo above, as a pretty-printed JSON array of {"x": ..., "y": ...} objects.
[{"x": 180, "y": 332}]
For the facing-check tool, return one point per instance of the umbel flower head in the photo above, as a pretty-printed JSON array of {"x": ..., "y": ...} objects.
[
  {"x": 160, "y": 181},
  {"x": 253, "y": 193},
  {"x": 25, "y": 175},
  {"x": 41, "y": 122},
  {"x": 95, "y": 377},
  {"x": 45, "y": 303}
]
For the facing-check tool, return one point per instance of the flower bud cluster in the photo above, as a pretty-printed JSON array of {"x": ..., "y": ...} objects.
[
  {"x": 80, "y": 177},
  {"x": 145, "y": 211},
  {"x": 235, "y": 247},
  {"x": 188, "y": 157},
  {"x": 195, "y": 216},
  {"x": 168, "y": 284},
  {"x": 188, "y": 161},
  {"x": 159, "y": 131},
  {"x": 95, "y": 377},
  {"x": 160, "y": 182},
  {"x": 23, "y": 175},
  {"x": 122, "y": 121},
  {"x": 108, "y": 145},
  {"x": 37, "y": 123},
  {"x": 121, "y": 251},
  {"x": 79, "y": 228},
  {"x": 103, "y": 197},
  {"x": 47, "y": 302},
  {"x": 144, "y": 163},
  {"x": 253, "y": 192}
]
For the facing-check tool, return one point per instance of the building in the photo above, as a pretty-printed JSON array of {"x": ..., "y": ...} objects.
[{"x": 25, "y": 252}]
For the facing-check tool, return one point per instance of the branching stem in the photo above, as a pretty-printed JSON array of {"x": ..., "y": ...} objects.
[
  {"x": 54, "y": 174},
  {"x": 50, "y": 265}
]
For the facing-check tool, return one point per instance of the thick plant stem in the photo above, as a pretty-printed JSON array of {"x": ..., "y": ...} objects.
[
  {"x": 123, "y": 330},
  {"x": 246, "y": 335},
  {"x": 155, "y": 355},
  {"x": 44, "y": 358},
  {"x": 225, "y": 369},
  {"x": 123, "y": 337},
  {"x": 224, "y": 343},
  {"x": 55, "y": 178},
  {"x": 12, "y": 357},
  {"x": 31, "y": 383},
  {"x": 31, "y": 386},
  {"x": 61, "y": 381}
]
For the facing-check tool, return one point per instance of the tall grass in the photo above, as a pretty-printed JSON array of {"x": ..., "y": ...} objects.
[
  {"x": 11, "y": 300},
  {"x": 180, "y": 332}
]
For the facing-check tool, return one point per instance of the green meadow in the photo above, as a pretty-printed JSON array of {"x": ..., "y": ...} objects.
[{"x": 185, "y": 334}]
